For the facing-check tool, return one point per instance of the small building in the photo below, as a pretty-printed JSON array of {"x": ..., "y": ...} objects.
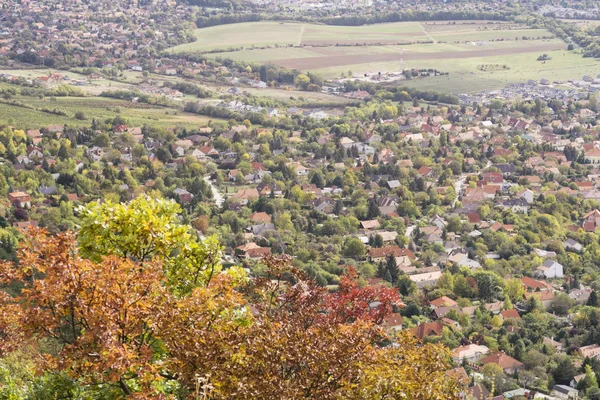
[
  {"x": 550, "y": 269},
  {"x": 504, "y": 361},
  {"x": 20, "y": 199},
  {"x": 469, "y": 353},
  {"x": 565, "y": 392}
]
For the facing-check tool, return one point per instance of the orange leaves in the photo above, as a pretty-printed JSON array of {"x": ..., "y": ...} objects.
[
  {"x": 118, "y": 321},
  {"x": 99, "y": 314}
]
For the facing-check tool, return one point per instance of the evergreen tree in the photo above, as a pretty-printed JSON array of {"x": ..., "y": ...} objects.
[
  {"x": 373, "y": 210},
  {"x": 392, "y": 267},
  {"x": 593, "y": 299}
]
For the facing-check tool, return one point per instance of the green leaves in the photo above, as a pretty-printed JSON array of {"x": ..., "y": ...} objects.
[{"x": 149, "y": 229}]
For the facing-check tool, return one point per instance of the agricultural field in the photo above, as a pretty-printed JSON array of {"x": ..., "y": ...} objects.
[
  {"x": 457, "y": 47},
  {"x": 94, "y": 107}
]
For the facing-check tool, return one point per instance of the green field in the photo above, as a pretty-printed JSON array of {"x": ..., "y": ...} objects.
[
  {"x": 456, "y": 47},
  {"x": 93, "y": 107},
  {"x": 259, "y": 34}
]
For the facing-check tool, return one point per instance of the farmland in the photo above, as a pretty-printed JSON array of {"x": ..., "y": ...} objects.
[
  {"x": 456, "y": 47},
  {"x": 136, "y": 114}
]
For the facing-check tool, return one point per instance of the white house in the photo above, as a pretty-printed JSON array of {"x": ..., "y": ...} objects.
[
  {"x": 551, "y": 269},
  {"x": 470, "y": 353},
  {"x": 528, "y": 195}
]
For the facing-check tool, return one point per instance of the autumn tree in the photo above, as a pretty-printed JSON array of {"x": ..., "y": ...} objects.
[{"x": 119, "y": 318}]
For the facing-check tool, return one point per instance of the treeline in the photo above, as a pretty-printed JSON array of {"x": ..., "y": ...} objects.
[
  {"x": 225, "y": 113},
  {"x": 266, "y": 72},
  {"x": 588, "y": 40},
  {"x": 189, "y": 88},
  {"x": 136, "y": 96},
  {"x": 230, "y": 5},
  {"x": 205, "y": 21},
  {"x": 400, "y": 93}
]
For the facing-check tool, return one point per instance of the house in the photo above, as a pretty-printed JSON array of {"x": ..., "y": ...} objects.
[
  {"x": 510, "y": 314},
  {"x": 25, "y": 224},
  {"x": 591, "y": 221},
  {"x": 459, "y": 374},
  {"x": 580, "y": 296},
  {"x": 443, "y": 301},
  {"x": 576, "y": 380},
  {"x": 534, "y": 285},
  {"x": 518, "y": 206},
  {"x": 528, "y": 195},
  {"x": 550, "y": 269},
  {"x": 477, "y": 392},
  {"x": 368, "y": 225},
  {"x": 441, "y": 312},
  {"x": 301, "y": 170},
  {"x": 381, "y": 253},
  {"x": 546, "y": 297},
  {"x": 506, "y": 169},
  {"x": 19, "y": 199},
  {"x": 183, "y": 195},
  {"x": 426, "y": 279},
  {"x": 48, "y": 190},
  {"x": 427, "y": 329},
  {"x": 260, "y": 217},
  {"x": 243, "y": 196},
  {"x": 470, "y": 353},
  {"x": 393, "y": 322},
  {"x": 571, "y": 244},
  {"x": 552, "y": 343},
  {"x": 252, "y": 251},
  {"x": 504, "y": 361},
  {"x": 591, "y": 351},
  {"x": 544, "y": 253},
  {"x": 565, "y": 392},
  {"x": 425, "y": 171}
]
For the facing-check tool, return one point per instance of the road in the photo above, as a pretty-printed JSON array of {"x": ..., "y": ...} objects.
[
  {"x": 218, "y": 197},
  {"x": 460, "y": 182}
]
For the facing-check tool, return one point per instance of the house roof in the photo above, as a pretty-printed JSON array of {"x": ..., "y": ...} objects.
[
  {"x": 394, "y": 319},
  {"x": 503, "y": 360},
  {"x": 396, "y": 251},
  {"x": 508, "y": 314},
  {"x": 533, "y": 284},
  {"x": 427, "y": 329},
  {"x": 443, "y": 301}
]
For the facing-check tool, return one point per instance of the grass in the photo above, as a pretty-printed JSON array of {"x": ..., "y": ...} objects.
[
  {"x": 100, "y": 108},
  {"x": 452, "y": 51},
  {"x": 246, "y": 34},
  {"x": 259, "y": 34}
]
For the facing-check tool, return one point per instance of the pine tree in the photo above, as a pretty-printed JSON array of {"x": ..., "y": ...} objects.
[
  {"x": 593, "y": 299},
  {"x": 388, "y": 276},
  {"x": 373, "y": 210},
  {"x": 392, "y": 268}
]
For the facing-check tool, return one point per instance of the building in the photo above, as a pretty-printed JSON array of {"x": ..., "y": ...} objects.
[
  {"x": 470, "y": 353},
  {"x": 565, "y": 392},
  {"x": 504, "y": 361},
  {"x": 20, "y": 199},
  {"x": 550, "y": 269}
]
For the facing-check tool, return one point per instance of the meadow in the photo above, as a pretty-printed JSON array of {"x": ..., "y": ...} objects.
[{"x": 456, "y": 47}]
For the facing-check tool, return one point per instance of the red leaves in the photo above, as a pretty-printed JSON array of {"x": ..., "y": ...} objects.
[
  {"x": 117, "y": 321},
  {"x": 370, "y": 303}
]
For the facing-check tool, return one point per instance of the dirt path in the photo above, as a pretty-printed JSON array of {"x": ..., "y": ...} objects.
[
  {"x": 427, "y": 33},
  {"x": 301, "y": 34}
]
